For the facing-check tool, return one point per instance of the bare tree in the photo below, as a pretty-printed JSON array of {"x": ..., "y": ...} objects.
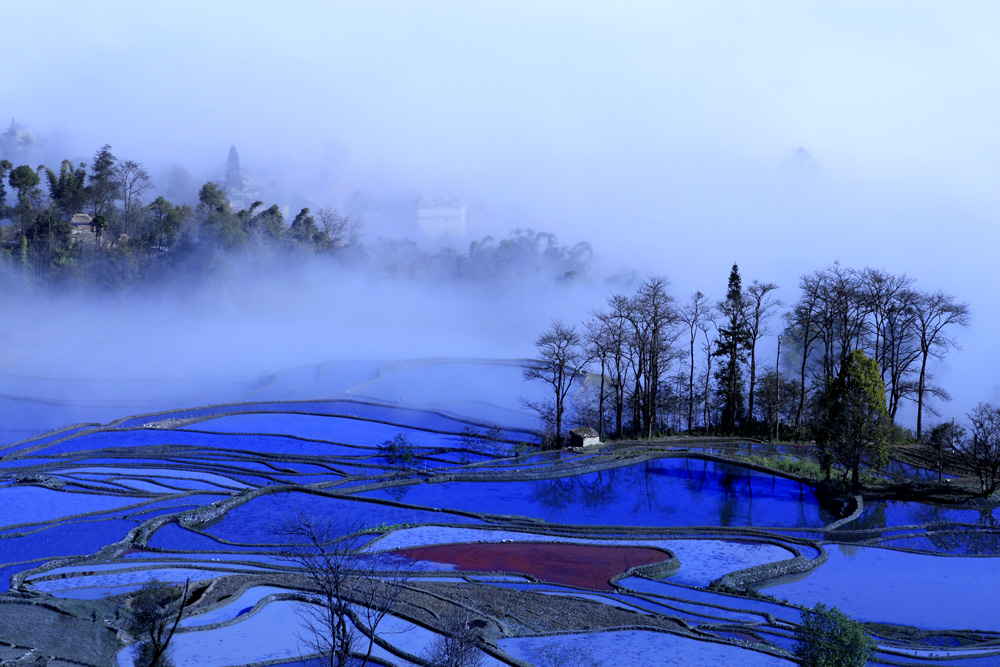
[
  {"x": 653, "y": 339},
  {"x": 804, "y": 329},
  {"x": 600, "y": 345},
  {"x": 345, "y": 584},
  {"x": 561, "y": 359},
  {"x": 564, "y": 656},
  {"x": 693, "y": 315},
  {"x": 342, "y": 230},
  {"x": 979, "y": 450},
  {"x": 707, "y": 347},
  {"x": 457, "y": 645},
  {"x": 900, "y": 348},
  {"x": 131, "y": 180},
  {"x": 884, "y": 293},
  {"x": 776, "y": 399},
  {"x": 616, "y": 322},
  {"x": 848, "y": 310},
  {"x": 943, "y": 438},
  {"x": 156, "y": 611},
  {"x": 759, "y": 306},
  {"x": 936, "y": 311}
]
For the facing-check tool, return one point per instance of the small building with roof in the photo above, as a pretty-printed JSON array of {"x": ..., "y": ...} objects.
[
  {"x": 441, "y": 218},
  {"x": 584, "y": 436}
]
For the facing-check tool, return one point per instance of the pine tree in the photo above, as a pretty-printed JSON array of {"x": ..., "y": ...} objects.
[
  {"x": 731, "y": 345},
  {"x": 102, "y": 188},
  {"x": 234, "y": 176}
]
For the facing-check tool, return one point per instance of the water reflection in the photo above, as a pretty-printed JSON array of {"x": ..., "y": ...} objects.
[
  {"x": 881, "y": 515},
  {"x": 555, "y": 493},
  {"x": 966, "y": 542},
  {"x": 397, "y": 493},
  {"x": 660, "y": 492},
  {"x": 599, "y": 491}
]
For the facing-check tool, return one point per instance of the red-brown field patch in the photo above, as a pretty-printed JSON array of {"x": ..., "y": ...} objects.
[{"x": 582, "y": 565}]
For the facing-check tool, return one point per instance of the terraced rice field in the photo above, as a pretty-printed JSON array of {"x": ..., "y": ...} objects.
[{"x": 616, "y": 554}]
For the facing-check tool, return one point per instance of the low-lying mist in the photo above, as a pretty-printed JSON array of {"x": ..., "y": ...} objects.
[
  {"x": 82, "y": 354},
  {"x": 675, "y": 139}
]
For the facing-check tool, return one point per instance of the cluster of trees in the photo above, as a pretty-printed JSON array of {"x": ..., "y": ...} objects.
[
  {"x": 977, "y": 448},
  {"x": 900, "y": 327},
  {"x": 130, "y": 235},
  {"x": 136, "y": 236},
  {"x": 524, "y": 257},
  {"x": 857, "y": 345}
]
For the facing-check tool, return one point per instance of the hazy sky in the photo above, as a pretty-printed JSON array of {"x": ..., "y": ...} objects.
[{"x": 661, "y": 132}]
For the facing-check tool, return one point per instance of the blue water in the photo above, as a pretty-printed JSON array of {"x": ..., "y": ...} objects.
[
  {"x": 962, "y": 543},
  {"x": 255, "y": 522},
  {"x": 873, "y": 584},
  {"x": 31, "y": 504},
  {"x": 662, "y": 492},
  {"x": 882, "y": 514},
  {"x": 357, "y": 432},
  {"x": 384, "y": 413},
  {"x": 698, "y": 596},
  {"x": 21, "y": 463},
  {"x": 243, "y": 443},
  {"x": 66, "y": 539},
  {"x": 175, "y": 538},
  {"x": 8, "y": 571},
  {"x": 42, "y": 439}
]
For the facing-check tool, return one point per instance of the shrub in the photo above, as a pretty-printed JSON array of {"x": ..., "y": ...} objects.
[
  {"x": 457, "y": 645},
  {"x": 829, "y": 638},
  {"x": 398, "y": 451}
]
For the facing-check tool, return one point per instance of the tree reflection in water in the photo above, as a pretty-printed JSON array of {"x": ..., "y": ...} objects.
[
  {"x": 966, "y": 542},
  {"x": 672, "y": 491},
  {"x": 600, "y": 490},
  {"x": 591, "y": 491},
  {"x": 397, "y": 493},
  {"x": 554, "y": 493}
]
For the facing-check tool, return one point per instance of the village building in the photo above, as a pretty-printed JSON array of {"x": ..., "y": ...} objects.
[
  {"x": 441, "y": 218},
  {"x": 17, "y": 143},
  {"x": 584, "y": 437},
  {"x": 81, "y": 223}
]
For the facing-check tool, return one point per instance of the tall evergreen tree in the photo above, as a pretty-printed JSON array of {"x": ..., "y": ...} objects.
[
  {"x": 103, "y": 184},
  {"x": 234, "y": 175},
  {"x": 731, "y": 345},
  {"x": 5, "y": 168},
  {"x": 165, "y": 221}
]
